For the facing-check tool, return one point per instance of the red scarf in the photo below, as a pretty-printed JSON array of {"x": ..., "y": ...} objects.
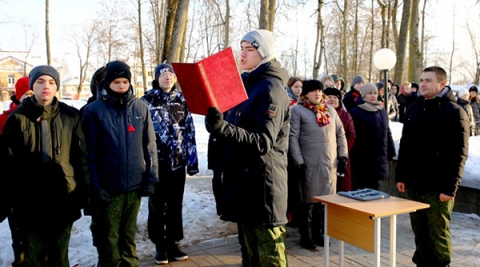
[{"x": 320, "y": 110}]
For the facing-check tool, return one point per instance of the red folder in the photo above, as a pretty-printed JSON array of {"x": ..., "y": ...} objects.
[{"x": 211, "y": 82}]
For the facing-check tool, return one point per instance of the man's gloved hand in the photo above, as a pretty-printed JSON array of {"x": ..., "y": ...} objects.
[
  {"x": 301, "y": 170},
  {"x": 102, "y": 196},
  {"x": 341, "y": 166},
  {"x": 147, "y": 191},
  {"x": 213, "y": 120}
]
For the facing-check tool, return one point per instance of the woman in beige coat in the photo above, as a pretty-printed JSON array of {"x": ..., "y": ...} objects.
[{"x": 318, "y": 148}]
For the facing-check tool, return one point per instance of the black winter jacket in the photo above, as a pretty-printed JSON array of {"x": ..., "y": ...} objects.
[
  {"x": 122, "y": 153},
  {"x": 373, "y": 146},
  {"x": 434, "y": 138},
  {"x": 254, "y": 138},
  {"x": 45, "y": 193}
]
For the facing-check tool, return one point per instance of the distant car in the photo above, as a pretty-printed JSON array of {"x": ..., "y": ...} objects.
[{"x": 74, "y": 103}]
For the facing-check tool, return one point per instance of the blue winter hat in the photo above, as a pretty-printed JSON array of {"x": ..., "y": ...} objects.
[
  {"x": 38, "y": 71},
  {"x": 164, "y": 67}
]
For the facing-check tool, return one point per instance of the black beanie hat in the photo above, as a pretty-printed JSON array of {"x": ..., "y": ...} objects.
[
  {"x": 38, "y": 71},
  {"x": 473, "y": 88},
  {"x": 333, "y": 91},
  {"x": 116, "y": 69},
  {"x": 311, "y": 85}
]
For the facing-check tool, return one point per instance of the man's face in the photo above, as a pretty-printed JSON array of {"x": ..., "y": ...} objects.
[
  {"x": 166, "y": 81},
  {"x": 430, "y": 86},
  {"x": 250, "y": 58},
  {"x": 44, "y": 89},
  {"x": 120, "y": 85}
]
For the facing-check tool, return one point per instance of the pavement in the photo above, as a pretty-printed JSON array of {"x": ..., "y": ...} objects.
[{"x": 226, "y": 251}]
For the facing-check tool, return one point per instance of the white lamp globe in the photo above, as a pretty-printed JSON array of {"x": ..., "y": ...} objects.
[{"x": 384, "y": 59}]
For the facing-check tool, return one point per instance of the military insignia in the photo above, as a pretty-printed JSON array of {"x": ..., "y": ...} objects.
[{"x": 272, "y": 111}]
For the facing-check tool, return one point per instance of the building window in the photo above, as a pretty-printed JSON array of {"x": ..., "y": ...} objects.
[
  {"x": 149, "y": 74},
  {"x": 11, "y": 80}
]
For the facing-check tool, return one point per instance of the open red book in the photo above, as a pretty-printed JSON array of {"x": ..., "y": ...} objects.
[{"x": 211, "y": 82}]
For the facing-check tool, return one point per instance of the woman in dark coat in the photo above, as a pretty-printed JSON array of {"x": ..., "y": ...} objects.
[
  {"x": 373, "y": 146},
  {"x": 335, "y": 99}
]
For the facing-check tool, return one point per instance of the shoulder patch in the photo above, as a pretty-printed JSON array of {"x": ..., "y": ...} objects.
[{"x": 272, "y": 111}]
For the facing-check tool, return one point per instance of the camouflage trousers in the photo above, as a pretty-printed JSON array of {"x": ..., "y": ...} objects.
[
  {"x": 431, "y": 228},
  {"x": 266, "y": 245},
  {"x": 115, "y": 230},
  {"x": 47, "y": 246}
]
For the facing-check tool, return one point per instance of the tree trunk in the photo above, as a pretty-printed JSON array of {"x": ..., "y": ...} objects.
[
  {"x": 345, "y": 42},
  {"x": 394, "y": 23},
  {"x": 453, "y": 47},
  {"x": 47, "y": 31},
  {"x": 423, "y": 34},
  {"x": 267, "y": 14},
  {"x": 178, "y": 31},
  {"x": 157, "y": 16},
  {"x": 355, "y": 40},
  {"x": 318, "y": 52},
  {"x": 169, "y": 25},
  {"x": 415, "y": 57},
  {"x": 370, "y": 64},
  {"x": 402, "y": 40},
  {"x": 142, "y": 54},
  {"x": 382, "y": 12}
]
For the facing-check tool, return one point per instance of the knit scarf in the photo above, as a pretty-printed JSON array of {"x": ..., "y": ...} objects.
[{"x": 321, "y": 112}]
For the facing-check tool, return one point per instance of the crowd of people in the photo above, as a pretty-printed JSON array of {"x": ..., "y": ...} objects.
[{"x": 291, "y": 140}]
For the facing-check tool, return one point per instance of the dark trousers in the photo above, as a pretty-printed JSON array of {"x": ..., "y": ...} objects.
[
  {"x": 165, "y": 220},
  {"x": 217, "y": 187},
  {"x": 311, "y": 221},
  {"x": 115, "y": 230},
  {"x": 431, "y": 228},
  {"x": 47, "y": 245},
  {"x": 16, "y": 243}
]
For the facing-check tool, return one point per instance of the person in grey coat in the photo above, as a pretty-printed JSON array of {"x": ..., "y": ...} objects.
[{"x": 318, "y": 147}]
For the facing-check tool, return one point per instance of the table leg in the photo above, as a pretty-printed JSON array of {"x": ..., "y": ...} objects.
[
  {"x": 341, "y": 255},
  {"x": 377, "y": 241},
  {"x": 326, "y": 238},
  {"x": 393, "y": 240}
]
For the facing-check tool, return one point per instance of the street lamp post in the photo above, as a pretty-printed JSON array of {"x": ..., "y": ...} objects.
[{"x": 384, "y": 59}]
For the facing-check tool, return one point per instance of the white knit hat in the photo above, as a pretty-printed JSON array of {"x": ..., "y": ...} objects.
[
  {"x": 263, "y": 41},
  {"x": 462, "y": 92}
]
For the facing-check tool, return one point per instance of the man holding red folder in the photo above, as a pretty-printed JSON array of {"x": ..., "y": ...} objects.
[{"x": 254, "y": 138}]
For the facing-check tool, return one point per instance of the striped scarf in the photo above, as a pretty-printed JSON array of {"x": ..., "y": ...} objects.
[{"x": 321, "y": 112}]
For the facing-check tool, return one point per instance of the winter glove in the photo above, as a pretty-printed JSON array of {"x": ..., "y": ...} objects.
[
  {"x": 102, "y": 196},
  {"x": 301, "y": 170},
  {"x": 341, "y": 166},
  {"x": 147, "y": 191},
  {"x": 213, "y": 120}
]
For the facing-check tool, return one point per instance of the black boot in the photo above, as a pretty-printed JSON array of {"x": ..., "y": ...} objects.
[{"x": 306, "y": 238}]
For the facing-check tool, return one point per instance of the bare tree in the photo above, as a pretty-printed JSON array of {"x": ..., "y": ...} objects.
[
  {"x": 402, "y": 40},
  {"x": 415, "y": 57},
  {"x": 344, "y": 54},
  {"x": 394, "y": 23},
  {"x": 267, "y": 14},
  {"x": 319, "y": 44},
  {"x": 47, "y": 30},
  {"x": 178, "y": 31},
  {"x": 140, "y": 40},
  {"x": 158, "y": 13},
  {"x": 83, "y": 39},
  {"x": 476, "y": 53},
  {"x": 453, "y": 46},
  {"x": 383, "y": 8},
  {"x": 422, "y": 37}
]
